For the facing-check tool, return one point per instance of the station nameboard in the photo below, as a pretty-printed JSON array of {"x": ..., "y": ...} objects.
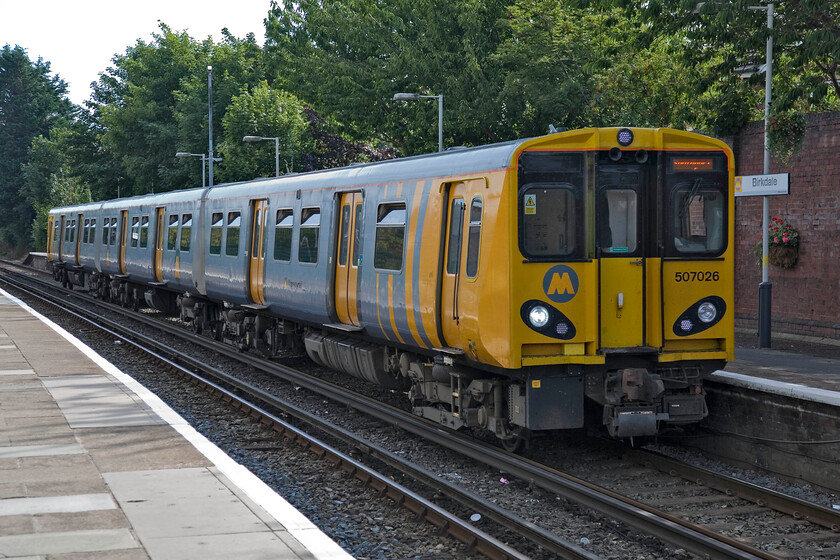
[{"x": 761, "y": 185}]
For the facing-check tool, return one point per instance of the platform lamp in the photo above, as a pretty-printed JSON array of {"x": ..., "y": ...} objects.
[
  {"x": 276, "y": 149},
  {"x": 203, "y": 165},
  {"x": 415, "y": 97}
]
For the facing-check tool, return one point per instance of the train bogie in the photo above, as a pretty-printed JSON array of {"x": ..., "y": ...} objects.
[{"x": 502, "y": 287}]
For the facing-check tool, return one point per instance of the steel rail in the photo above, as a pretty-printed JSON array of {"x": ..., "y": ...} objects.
[
  {"x": 791, "y": 505},
  {"x": 444, "y": 521},
  {"x": 694, "y": 538}
]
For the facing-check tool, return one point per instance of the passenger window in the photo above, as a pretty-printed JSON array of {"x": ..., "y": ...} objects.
[
  {"x": 92, "y": 235},
  {"x": 186, "y": 232},
  {"x": 310, "y": 227},
  {"x": 343, "y": 247},
  {"x": 73, "y": 231},
  {"x": 113, "y": 239},
  {"x": 106, "y": 230},
  {"x": 547, "y": 214},
  {"x": 456, "y": 231},
  {"x": 135, "y": 230},
  {"x": 144, "y": 232},
  {"x": 283, "y": 235},
  {"x": 232, "y": 240},
  {"x": 85, "y": 231},
  {"x": 474, "y": 237},
  {"x": 216, "y": 227},
  {"x": 172, "y": 234},
  {"x": 390, "y": 237},
  {"x": 357, "y": 236}
]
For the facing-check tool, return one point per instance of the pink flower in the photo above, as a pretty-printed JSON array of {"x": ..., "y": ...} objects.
[
  {"x": 775, "y": 240},
  {"x": 785, "y": 238}
]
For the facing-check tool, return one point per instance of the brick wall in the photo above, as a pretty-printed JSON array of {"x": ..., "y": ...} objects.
[{"x": 806, "y": 298}]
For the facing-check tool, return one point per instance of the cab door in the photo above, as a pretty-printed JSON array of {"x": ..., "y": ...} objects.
[
  {"x": 159, "y": 240},
  {"x": 620, "y": 205},
  {"x": 256, "y": 270},
  {"x": 349, "y": 258}
]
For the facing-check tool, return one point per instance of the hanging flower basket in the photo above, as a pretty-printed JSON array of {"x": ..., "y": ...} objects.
[
  {"x": 783, "y": 250},
  {"x": 783, "y": 256}
]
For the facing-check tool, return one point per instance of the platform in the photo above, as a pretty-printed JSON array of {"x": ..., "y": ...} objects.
[{"x": 94, "y": 466}]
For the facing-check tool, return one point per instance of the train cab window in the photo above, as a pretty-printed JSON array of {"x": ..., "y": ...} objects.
[
  {"x": 474, "y": 237},
  {"x": 696, "y": 222},
  {"x": 216, "y": 228},
  {"x": 548, "y": 216},
  {"x": 234, "y": 222},
  {"x": 186, "y": 232},
  {"x": 456, "y": 232},
  {"x": 390, "y": 237},
  {"x": 618, "y": 229},
  {"x": 172, "y": 233},
  {"x": 698, "y": 219},
  {"x": 135, "y": 230},
  {"x": 283, "y": 235},
  {"x": 310, "y": 228},
  {"x": 144, "y": 232}
]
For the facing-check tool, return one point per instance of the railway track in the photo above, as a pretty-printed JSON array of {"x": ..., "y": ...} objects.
[{"x": 697, "y": 538}]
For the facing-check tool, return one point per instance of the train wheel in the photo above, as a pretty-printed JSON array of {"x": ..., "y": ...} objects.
[{"x": 519, "y": 440}]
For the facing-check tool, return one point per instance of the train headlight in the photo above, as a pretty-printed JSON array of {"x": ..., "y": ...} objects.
[
  {"x": 707, "y": 312},
  {"x": 538, "y": 316}
]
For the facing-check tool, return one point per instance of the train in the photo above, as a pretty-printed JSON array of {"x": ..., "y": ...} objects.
[{"x": 578, "y": 280}]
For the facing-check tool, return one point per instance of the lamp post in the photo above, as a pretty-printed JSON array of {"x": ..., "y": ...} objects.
[
  {"x": 210, "y": 117},
  {"x": 276, "y": 149},
  {"x": 203, "y": 159},
  {"x": 765, "y": 289},
  {"x": 415, "y": 97}
]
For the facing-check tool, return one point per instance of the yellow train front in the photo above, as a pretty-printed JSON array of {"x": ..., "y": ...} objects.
[{"x": 606, "y": 278}]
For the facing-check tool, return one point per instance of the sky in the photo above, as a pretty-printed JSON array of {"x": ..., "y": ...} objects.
[{"x": 80, "y": 37}]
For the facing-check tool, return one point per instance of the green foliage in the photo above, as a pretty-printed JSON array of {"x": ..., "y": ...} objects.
[
  {"x": 785, "y": 134},
  {"x": 265, "y": 112},
  {"x": 349, "y": 57},
  {"x": 31, "y": 101}
]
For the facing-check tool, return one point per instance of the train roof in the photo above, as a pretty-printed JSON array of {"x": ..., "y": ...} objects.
[{"x": 454, "y": 161}]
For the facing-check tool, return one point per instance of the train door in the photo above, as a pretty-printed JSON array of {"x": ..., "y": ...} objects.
[
  {"x": 78, "y": 239},
  {"x": 50, "y": 236},
  {"x": 349, "y": 258},
  {"x": 620, "y": 213},
  {"x": 123, "y": 237},
  {"x": 257, "y": 259},
  {"x": 159, "y": 240},
  {"x": 459, "y": 297}
]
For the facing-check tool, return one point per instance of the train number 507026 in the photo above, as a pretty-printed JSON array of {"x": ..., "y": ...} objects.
[{"x": 695, "y": 276}]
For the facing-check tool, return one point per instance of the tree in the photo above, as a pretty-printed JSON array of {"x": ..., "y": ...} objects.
[
  {"x": 348, "y": 58},
  {"x": 31, "y": 101},
  {"x": 728, "y": 35},
  {"x": 135, "y": 104},
  {"x": 265, "y": 112}
]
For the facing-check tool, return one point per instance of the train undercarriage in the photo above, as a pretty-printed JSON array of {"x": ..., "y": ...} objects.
[{"x": 634, "y": 396}]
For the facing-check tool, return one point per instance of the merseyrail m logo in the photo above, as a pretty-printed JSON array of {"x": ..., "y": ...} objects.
[{"x": 560, "y": 283}]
